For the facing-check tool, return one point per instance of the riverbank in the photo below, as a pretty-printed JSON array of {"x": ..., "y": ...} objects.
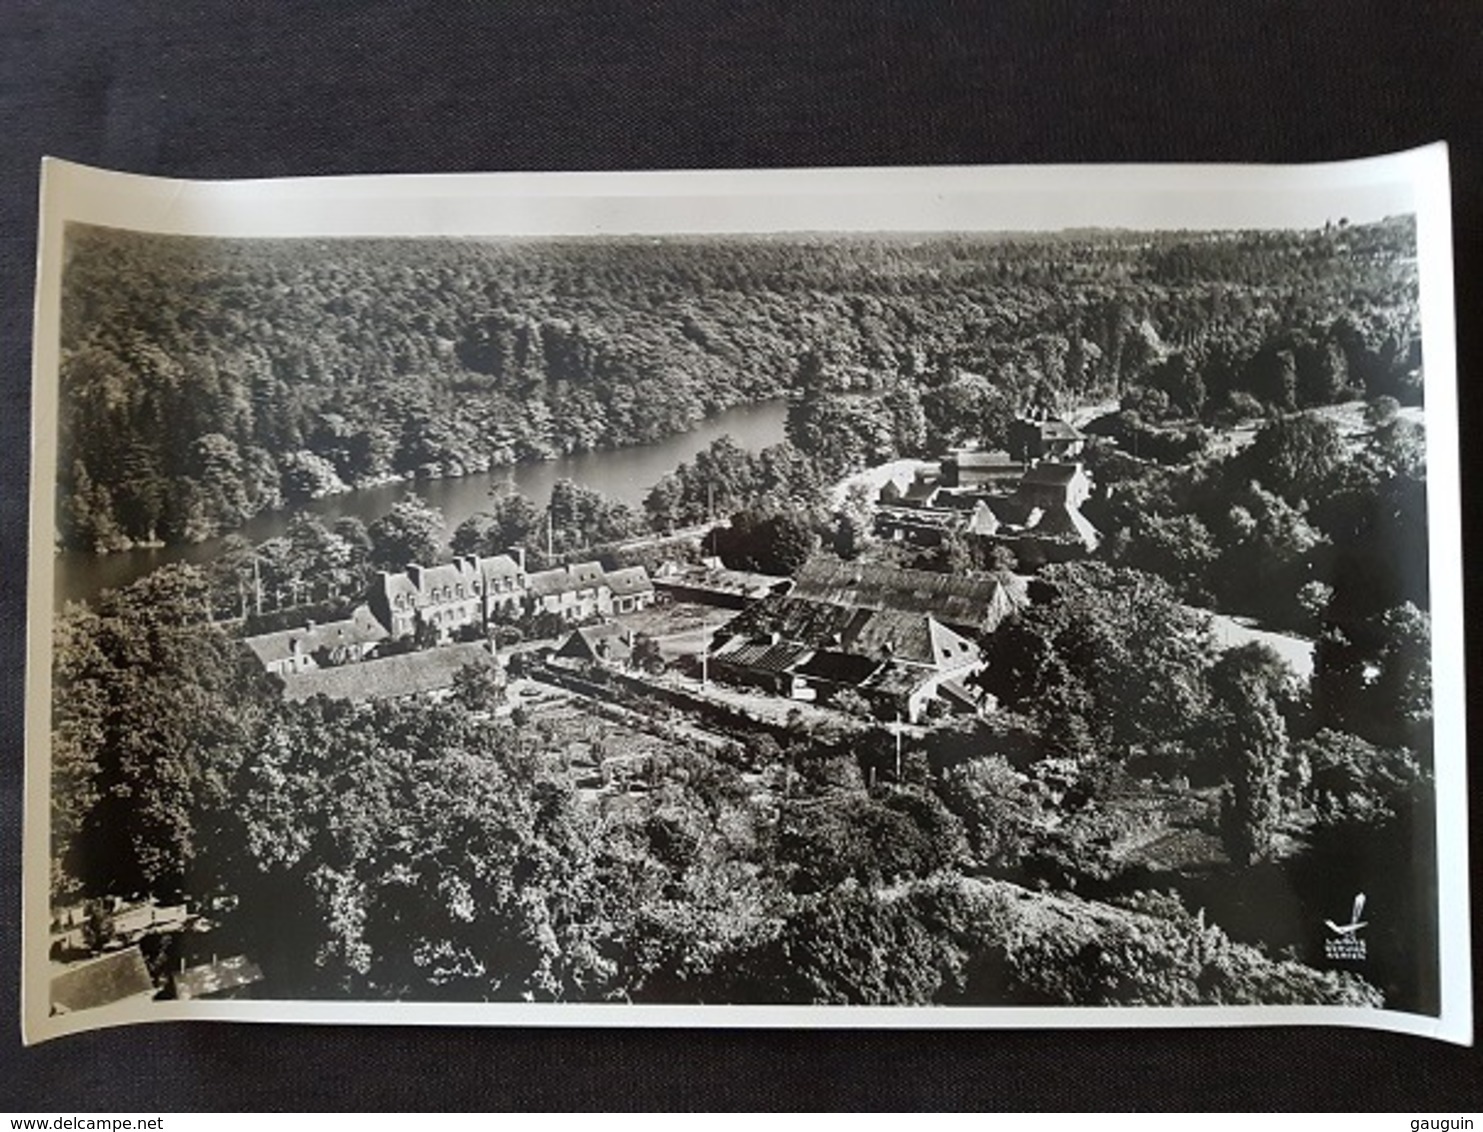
[{"x": 624, "y": 474}]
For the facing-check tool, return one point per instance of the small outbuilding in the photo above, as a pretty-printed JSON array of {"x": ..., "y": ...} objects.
[
  {"x": 224, "y": 978},
  {"x": 609, "y": 643},
  {"x": 110, "y": 978}
]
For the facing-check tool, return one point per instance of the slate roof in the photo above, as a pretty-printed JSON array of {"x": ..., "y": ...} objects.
[
  {"x": 543, "y": 583},
  {"x": 498, "y": 566},
  {"x": 876, "y": 634},
  {"x": 396, "y": 585},
  {"x": 795, "y": 619},
  {"x": 909, "y": 638},
  {"x": 1047, "y": 474},
  {"x": 1067, "y": 523},
  {"x": 838, "y": 667},
  {"x": 416, "y": 582},
  {"x": 890, "y": 492},
  {"x": 950, "y": 649},
  {"x": 628, "y": 581},
  {"x": 762, "y": 656},
  {"x": 564, "y": 579},
  {"x": 996, "y": 459},
  {"x": 979, "y": 469},
  {"x": 405, "y": 674},
  {"x": 921, "y": 492},
  {"x": 361, "y": 627},
  {"x": 741, "y": 583},
  {"x": 609, "y": 641},
  {"x": 974, "y": 603},
  {"x": 885, "y": 633},
  {"x": 445, "y": 574},
  {"x": 98, "y": 982},
  {"x": 585, "y": 573}
]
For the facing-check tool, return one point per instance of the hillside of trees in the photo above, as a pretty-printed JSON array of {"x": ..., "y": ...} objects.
[{"x": 205, "y": 381}]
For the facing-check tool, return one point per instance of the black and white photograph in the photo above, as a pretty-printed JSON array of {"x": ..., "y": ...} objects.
[{"x": 914, "y": 597}]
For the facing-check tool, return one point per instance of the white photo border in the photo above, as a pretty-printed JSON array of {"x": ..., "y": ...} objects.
[{"x": 925, "y": 199}]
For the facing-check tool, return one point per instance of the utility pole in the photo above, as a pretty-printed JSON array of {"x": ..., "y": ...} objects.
[
  {"x": 898, "y": 746},
  {"x": 705, "y": 655}
]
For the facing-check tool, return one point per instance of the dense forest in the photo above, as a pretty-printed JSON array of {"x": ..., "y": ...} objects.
[{"x": 205, "y": 381}]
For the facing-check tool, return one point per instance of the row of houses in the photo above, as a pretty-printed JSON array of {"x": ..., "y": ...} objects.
[
  {"x": 452, "y": 600},
  {"x": 473, "y": 591}
]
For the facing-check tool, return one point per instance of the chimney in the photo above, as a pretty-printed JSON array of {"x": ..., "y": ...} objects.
[
  {"x": 518, "y": 554},
  {"x": 414, "y": 572}
]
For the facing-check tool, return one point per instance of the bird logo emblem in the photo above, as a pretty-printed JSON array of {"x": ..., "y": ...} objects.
[{"x": 1354, "y": 924}]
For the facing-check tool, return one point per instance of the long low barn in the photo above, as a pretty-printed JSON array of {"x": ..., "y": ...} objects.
[
  {"x": 972, "y": 605},
  {"x": 304, "y": 648},
  {"x": 428, "y": 672}
]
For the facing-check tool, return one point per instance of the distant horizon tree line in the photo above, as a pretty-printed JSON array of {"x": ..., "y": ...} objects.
[{"x": 204, "y": 382}]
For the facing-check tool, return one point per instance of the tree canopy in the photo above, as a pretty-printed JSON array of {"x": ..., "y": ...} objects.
[{"x": 245, "y": 373}]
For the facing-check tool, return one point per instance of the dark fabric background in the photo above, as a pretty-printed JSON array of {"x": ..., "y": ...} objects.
[{"x": 229, "y": 89}]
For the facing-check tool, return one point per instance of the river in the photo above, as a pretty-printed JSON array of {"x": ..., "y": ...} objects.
[{"x": 621, "y": 473}]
